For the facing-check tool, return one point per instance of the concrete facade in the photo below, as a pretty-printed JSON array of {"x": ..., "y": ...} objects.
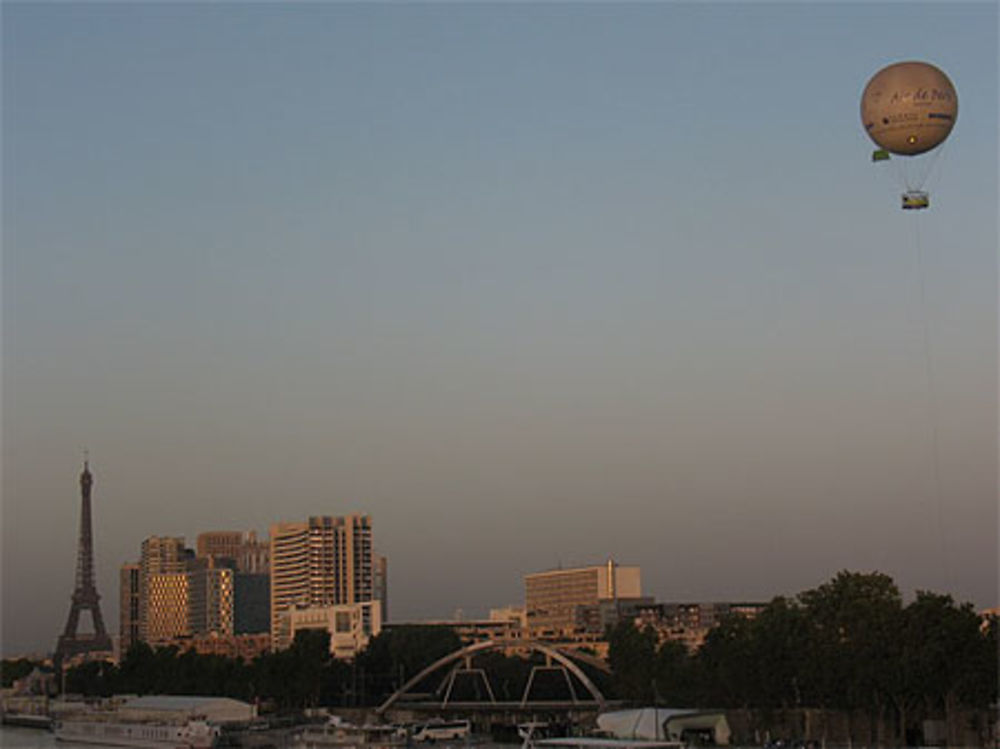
[
  {"x": 552, "y": 599},
  {"x": 350, "y": 625}
]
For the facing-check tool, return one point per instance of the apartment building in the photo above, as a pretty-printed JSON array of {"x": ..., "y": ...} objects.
[
  {"x": 325, "y": 561},
  {"x": 554, "y": 599}
]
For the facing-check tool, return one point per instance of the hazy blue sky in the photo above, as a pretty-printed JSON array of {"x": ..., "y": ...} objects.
[{"x": 530, "y": 284}]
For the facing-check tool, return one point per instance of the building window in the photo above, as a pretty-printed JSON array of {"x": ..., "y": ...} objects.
[{"x": 343, "y": 621}]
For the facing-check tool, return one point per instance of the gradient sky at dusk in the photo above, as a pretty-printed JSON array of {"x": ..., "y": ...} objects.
[{"x": 530, "y": 284}]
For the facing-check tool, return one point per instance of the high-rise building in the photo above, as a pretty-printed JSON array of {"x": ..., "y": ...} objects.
[
  {"x": 323, "y": 562},
  {"x": 249, "y": 554},
  {"x": 128, "y": 609},
  {"x": 210, "y": 597},
  {"x": 290, "y": 574},
  {"x": 251, "y": 603},
  {"x": 255, "y": 557},
  {"x": 160, "y": 555},
  {"x": 553, "y": 599},
  {"x": 172, "y": 593},
  {"x": 250, "y": 561},
  {"x": 166, "y": 605},
  {"x": 221, "y": 543},
  {"x": 380, "y": 583}
]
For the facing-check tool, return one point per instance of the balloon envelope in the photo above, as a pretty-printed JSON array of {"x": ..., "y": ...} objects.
[{"x": 909, "y": 107}]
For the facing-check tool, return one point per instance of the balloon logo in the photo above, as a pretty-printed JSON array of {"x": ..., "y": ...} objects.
[{"x": 909, "y": 108}]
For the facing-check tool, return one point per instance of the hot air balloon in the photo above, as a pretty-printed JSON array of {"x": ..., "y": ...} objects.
[{"x": 909, "y": 109}]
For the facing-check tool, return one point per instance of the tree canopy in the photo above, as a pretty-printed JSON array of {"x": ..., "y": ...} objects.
[{"x": 849, "y": 645}]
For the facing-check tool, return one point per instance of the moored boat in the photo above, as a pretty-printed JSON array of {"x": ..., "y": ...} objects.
[
  {"x": 535, "y": 736},
  {"x": 26, "y": 720},
  {"x": 442, "y": 730},
  {"x": 339, "y": 733},
  {"x": 194, "y": 734}
]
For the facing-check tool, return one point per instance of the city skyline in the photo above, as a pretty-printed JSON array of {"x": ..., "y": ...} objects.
[
  {"x": 592, "y": 567},
  {"x": 529, "y": 285}
]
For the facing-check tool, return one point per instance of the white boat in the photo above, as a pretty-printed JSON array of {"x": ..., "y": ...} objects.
[
  {"x": 442, "y": 730},
  {"x": 671, "y": 724},
  {"x": 337, "y": 732},
  {"x": 601, "y": 742},
  {"x": 194, "y": 734},
  {"x": 533, "y": 735}
]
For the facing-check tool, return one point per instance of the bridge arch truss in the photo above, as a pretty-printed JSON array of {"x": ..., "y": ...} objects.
[{"x": 460, "y": 661}]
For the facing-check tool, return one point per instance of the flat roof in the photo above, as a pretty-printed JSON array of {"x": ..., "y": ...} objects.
[{"x": 177, "y": 703}]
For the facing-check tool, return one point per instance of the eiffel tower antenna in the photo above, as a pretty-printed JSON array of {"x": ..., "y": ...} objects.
[{"x": 85, "y": 596}]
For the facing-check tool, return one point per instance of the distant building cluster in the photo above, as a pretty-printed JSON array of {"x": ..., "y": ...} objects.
[
  {"x": 575, "y": 607},
  {"x": 579, "y": 605},
  {"x": 237, "y": 595},
  {"x": 565, "y": 602},
  {"x": 690, "y": 623}
]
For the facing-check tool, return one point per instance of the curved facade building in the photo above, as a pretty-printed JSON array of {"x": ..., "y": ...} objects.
[{"x": 325, "y": 561}]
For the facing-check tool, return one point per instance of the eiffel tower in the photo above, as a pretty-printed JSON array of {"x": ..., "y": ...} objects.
[{"x": 85, "y": 595}]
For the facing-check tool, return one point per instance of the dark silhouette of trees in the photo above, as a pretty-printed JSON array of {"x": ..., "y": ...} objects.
[
  {"x": 632, "y": 657},
  {"x": 299, "y": 676},
  {"x": 92, "y": 678},
  {"x": 13, "y": 669},
  {"x": 849, "y": 645}
]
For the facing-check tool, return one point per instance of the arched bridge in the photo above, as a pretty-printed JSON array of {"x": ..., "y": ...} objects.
[{"x": 460, "y": 663}]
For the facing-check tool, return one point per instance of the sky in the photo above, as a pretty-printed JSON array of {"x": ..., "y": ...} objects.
[{"x": 531, "y": 284}]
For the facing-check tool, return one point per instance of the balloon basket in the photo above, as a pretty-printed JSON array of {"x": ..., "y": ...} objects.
[{"x": 915, "y": 200}]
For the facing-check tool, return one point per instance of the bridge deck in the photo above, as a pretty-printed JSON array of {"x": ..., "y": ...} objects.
[{"x": 507, "y": 706}]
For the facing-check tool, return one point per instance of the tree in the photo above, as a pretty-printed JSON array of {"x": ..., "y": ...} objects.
[
  {"x": 854, "y": 625},
  {"x": 310, "y": 653},
  {"x": 673, "y": 672},
  {"x": 947, "y": 660},
  {"x": 632, "y": 657},
  {"x": 136, "y": 672},
  {"x": 777, "y": 653},
  {"x": 12, "y": 670},
  {"x": 91, "y": 679},
  {"x": 726, "y": 665},
  {"x": 296, "y": 677}
]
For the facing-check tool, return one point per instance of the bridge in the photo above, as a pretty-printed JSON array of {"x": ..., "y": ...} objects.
[{"x": 580, "y": 700}]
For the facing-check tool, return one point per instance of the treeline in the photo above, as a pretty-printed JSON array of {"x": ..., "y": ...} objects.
[
  {"x": 305, "y": 675},
  {"x": 13, "y": 669},
  {"x": 849, "y": 645}
]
